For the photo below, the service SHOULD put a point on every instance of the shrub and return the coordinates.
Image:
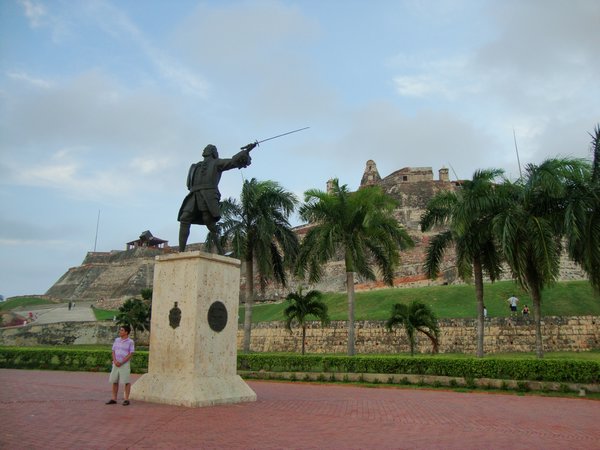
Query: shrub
(562, 371)
(557, 370)
(470, 382)
(65, 359)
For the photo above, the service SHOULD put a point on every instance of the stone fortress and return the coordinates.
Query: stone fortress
(108, 278)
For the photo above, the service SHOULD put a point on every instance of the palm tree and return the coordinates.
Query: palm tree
(358, 227)
(301, 306)
(468, 214)
(416, 316)
(135, 313)
(582, 217)
(258, 231)
(531, 226)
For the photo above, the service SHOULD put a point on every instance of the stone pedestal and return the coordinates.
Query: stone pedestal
(193, 350)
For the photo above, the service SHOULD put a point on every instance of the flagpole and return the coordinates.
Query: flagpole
(97, 226)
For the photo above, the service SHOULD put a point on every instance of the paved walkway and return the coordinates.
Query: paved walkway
(60, 313)
(66, 410)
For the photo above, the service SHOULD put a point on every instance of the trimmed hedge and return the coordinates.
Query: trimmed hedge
(556, 370)
(65, 359)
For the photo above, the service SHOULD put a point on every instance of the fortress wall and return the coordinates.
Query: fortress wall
(457, 336)
(63, 333)
(117, 275)
(114, 275)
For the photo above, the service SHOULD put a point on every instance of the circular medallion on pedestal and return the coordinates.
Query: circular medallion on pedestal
(217, 316)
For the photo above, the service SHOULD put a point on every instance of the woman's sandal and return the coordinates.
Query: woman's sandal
(111, 402)
(125, 402)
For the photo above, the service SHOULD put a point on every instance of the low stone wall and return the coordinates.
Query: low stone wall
(64, 333)
(457, 336)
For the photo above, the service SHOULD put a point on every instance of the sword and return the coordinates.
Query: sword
(255, 144)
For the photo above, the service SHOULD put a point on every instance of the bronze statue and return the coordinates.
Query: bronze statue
(201, 206)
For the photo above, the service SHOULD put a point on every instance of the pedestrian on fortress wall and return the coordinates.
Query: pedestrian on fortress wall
(525, 311)
(122, 351)
(513, 301)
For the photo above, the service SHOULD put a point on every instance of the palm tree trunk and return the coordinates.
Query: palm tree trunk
(410, 332)
(303, 337)
(536, 296)
(432, 338)
(350, 289)
(249, 299)
(478, 278)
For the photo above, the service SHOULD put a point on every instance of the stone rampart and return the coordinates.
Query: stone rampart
(502, 335)
(64, 333)
(457, 336)
(114, 275)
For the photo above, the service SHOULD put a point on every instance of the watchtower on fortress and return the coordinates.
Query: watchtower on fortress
(371, 175)
(147, 240)
(412, 187)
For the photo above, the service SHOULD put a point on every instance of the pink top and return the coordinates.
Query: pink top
(122, 348)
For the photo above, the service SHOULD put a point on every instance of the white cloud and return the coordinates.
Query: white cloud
(39, 17)
(37, 82)
(116, 23)
(418, 86)
(245, 35)
(35, 12)
(149, 165)
(32, 242)
(91, 111)
(447, 78)
(66, 172)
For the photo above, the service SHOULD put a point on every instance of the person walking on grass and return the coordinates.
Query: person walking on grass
(122, 351)
(513, 301)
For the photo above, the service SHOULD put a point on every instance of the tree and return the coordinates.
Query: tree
(146, 294)
(258, 231)
(415, 316)
(468, 214)
(135, 313)
(358, 227)
(582, 217)
(301, 306)
(531, 225)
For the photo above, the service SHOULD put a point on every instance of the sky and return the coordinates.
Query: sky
(104, 104)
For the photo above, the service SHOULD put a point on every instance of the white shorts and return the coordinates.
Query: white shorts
(120, 374)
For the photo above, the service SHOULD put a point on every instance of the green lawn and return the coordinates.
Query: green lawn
(105, 314)
(570, 298)
(22, 302)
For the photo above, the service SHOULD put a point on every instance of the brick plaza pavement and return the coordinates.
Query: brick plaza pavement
(66, 410)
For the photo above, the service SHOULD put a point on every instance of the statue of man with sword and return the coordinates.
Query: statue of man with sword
(201, 206)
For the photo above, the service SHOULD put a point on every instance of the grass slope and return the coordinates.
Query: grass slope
(22, 302)
(570, 298)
